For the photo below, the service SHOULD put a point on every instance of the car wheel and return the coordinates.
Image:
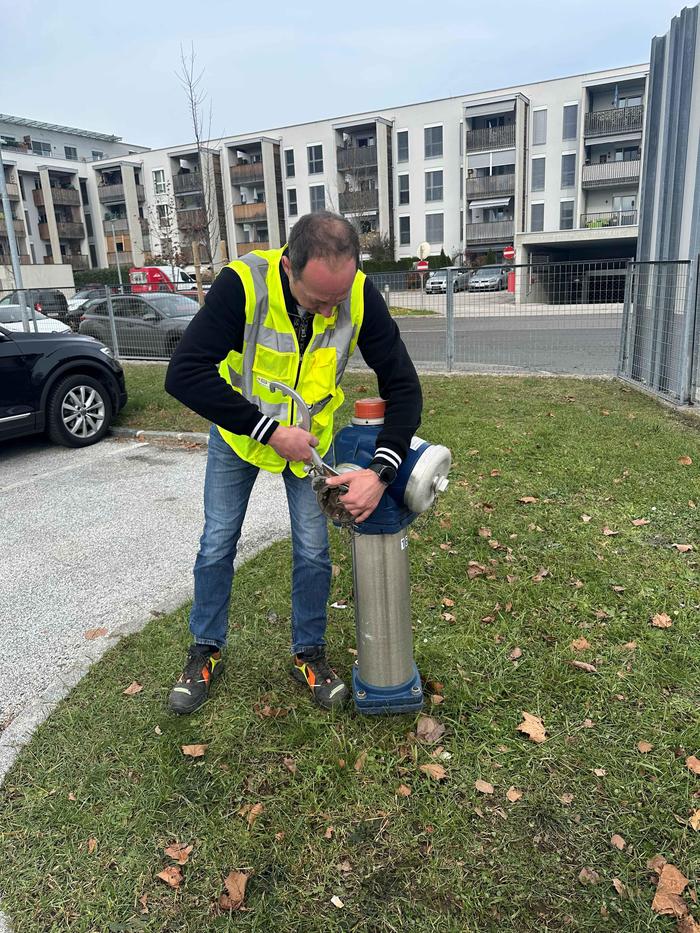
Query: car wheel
(79, 411)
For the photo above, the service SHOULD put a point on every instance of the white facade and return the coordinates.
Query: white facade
(552, 167)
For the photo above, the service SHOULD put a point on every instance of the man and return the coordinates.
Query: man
(293, 315)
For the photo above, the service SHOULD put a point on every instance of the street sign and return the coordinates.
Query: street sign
(422, 266)
(509, 252)
(423, 250)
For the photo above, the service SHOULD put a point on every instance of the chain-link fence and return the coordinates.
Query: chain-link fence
(658, 346)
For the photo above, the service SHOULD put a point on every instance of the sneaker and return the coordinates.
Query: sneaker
(192, 689)
(327, 689)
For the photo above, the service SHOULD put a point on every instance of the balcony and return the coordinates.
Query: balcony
(494, 137)
(77, 261)
(616, 121)
(65, 196)
(12, 190)
(192, 219)
(246, 212)
(608, 219)
(187, 183)
(107, 193)
(67, 230)
(611, 174)
(351, 158)
(122, 258)
(490, 232)
(488, 185)
(17, 225)
(120, 224)
(358, 202)
(247, 174)
(243, 248)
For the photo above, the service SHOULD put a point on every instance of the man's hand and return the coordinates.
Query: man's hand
(365, 489)
(293, 443)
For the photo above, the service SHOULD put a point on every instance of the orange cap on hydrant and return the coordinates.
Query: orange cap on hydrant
(370, 408)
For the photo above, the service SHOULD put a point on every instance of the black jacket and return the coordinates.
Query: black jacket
(218, 327)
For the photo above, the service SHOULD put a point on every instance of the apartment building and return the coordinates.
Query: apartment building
(551, 167)
(56, 212)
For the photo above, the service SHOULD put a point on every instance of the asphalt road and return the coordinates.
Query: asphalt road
(99, 538)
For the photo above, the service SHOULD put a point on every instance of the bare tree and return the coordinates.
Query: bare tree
(204, 223)
(163, 228)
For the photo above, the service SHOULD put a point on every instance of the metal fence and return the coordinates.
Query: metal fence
(638, 320)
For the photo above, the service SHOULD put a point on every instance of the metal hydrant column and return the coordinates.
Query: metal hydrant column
(383, 608)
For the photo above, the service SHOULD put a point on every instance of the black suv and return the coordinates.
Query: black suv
(65, 384)
(50, 301)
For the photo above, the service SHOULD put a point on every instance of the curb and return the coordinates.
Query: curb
(165, 437)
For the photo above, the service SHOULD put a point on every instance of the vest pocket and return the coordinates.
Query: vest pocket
(319, 379)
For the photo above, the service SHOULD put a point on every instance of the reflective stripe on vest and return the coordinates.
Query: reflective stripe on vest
(271, 352)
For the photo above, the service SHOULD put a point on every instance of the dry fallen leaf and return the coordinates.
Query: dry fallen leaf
(694, 820)
(336, 901)
(91, 845)
(93, 633)
(668, 900)
(194, 751)
(619, 887)
(172, 876)
(527, 500)
(329, 832)
(599, 772)
(254, 813)
(644, 747)
(447, 602)
(661, 620)
(533, 727)
(290, 765)
(586, 518)
(618, 589)
(567, 799)
(179, 852)
(609, 533)
(693, 764)
(687, 925)
(580, 644)
(360, 761)
(685, 461)
(513, 795)
(684, 548)
(449, 617)
(403, 790)
(637, 522)
(515, 654)
(540, 575)
(483, 787)
(132, 689)
(588, 876)
(436, 699)
(436, 772)
(429, 730)
(484, 533)
(617, 841)
(584, 666)
(234, 883)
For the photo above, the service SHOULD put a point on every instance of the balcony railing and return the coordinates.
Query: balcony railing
(66, 196)
(12, 191)
(491, 231)
(612, 122)
(494, 137)
(17, 225)
(255, 211)
(122, 258)
(187, 182)
(489, 185)
(358, 202)
(243, 248)
(247, 173)
(195, 219)
(77, 261)
(353, 157)
(608, 219)
(116, 193)
(120, 224)
(611, 174)
(68, 230)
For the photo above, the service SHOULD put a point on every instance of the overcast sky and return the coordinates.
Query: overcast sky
(112, 67)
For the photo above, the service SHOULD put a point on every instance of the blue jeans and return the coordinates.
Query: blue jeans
(227, 486)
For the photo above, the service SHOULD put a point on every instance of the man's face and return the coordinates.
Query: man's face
(323, 284)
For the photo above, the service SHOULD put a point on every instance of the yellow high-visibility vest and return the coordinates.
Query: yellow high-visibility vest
(271, 352)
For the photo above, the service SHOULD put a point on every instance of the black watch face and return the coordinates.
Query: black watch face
(387, 474)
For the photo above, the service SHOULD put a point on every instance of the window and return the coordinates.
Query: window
(625, 207)
(96, 154)
(404, 231)
(402, 146)
(315, 154)
(433, 142)
(39, 148)
(163, 215)
(289, 163)
(159, 181)
(566, 215)
(317, 197)
(570, 122)
(434, 228)
(71, 153)
(433, 186)
(538, 174)
(8, 141)
(88, 224)
(631, 101)
(292, 201)
(539, 127)
(628, 154)
(536, 217)
(404, 194)
(568, 170)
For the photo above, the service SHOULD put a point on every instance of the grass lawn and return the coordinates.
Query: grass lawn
(345, 809)
(397, 311)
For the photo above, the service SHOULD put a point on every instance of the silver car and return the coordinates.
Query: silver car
(489, 279)
(437, 283)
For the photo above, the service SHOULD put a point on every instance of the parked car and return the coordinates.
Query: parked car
(50, 301)
(146, 325)
(437, 282)
(79, 300)
(489, 278)
(11, 319)
(67, 385)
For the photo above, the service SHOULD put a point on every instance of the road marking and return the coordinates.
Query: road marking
(38, 477)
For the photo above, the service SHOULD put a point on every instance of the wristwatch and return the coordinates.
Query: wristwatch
(385, 472)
